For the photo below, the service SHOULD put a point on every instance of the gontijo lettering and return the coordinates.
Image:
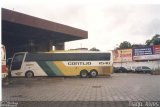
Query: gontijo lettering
(79, 63)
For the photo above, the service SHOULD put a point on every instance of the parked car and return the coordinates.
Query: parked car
(9, 62)
(143, 69)
(120, 69)
(8, 66)
(131, 69)
(114, 69)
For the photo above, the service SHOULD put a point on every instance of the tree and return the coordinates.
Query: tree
(138, 45)
(125, 45)
(148, 42)
(94, 49)
(154, 41)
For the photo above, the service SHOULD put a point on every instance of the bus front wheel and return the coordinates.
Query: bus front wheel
(84, 73)
(29, 74)
(93, 73)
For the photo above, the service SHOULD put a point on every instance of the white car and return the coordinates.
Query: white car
(131, 68)
(143, 69)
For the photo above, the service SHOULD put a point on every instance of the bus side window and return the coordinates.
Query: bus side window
(17, 62)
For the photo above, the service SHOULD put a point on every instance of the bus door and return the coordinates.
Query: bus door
(16, 65)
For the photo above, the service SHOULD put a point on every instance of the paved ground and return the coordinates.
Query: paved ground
(118, 87)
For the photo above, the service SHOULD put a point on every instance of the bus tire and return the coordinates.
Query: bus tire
(29, 74)
(84, 73)
(93, 73)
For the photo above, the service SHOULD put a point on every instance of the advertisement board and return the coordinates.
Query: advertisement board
(146, 53)
(143, 51)
(157, 49)
(146, 57)
(124, 55)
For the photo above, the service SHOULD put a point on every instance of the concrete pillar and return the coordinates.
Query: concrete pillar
(59, 46)
(50, 44)
(31, 46)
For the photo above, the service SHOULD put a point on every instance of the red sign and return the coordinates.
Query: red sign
(157, 49)
(123, 55)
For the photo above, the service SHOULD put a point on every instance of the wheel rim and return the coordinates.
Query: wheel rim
(93, 73)
(29, 74)
(84, 74)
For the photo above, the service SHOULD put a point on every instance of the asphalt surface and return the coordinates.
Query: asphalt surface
(119, 88)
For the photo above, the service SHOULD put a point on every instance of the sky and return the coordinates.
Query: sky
(108, 23)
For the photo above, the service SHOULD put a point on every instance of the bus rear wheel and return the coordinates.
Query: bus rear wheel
(93, 73)
(84, 73)
(29, 74)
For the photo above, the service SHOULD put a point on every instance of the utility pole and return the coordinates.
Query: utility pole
(121, 58)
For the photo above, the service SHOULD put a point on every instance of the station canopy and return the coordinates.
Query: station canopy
(19, 29)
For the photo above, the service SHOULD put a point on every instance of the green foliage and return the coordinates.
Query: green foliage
(154, 41)
(94, 49)
(125, 45)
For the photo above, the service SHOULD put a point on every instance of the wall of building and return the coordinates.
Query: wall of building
(151, 64)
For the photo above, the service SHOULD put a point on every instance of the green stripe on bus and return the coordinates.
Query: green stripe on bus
(46, 68)
(54, 68)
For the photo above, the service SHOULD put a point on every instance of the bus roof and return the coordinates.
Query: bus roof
(68, 51)
(76, 51)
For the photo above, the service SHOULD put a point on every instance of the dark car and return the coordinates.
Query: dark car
(8, 66)
(143, 69)
(120, 69)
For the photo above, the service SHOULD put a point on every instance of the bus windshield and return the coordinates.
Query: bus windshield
(17, 61)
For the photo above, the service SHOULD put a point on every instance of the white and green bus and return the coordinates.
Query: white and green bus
(67, 63)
